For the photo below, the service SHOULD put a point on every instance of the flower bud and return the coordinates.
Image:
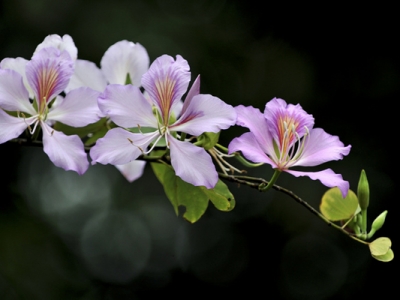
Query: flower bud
(363, 191)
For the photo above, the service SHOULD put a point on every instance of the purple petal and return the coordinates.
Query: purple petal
(125, 58)
(13, 94)
(192, 164)
(166, 81)
(251, 149)
(277, 111)
(126, 106)
(61, 43)
(120, 146)
(79, 108)
(205, 113)
(194, 90)
(64, 151)
(327, 178)
(12, 127)
(132, 170)
(48, 73)
(87, 74)
(252, 118)
(321, 147)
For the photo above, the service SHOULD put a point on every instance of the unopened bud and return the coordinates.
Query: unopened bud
(377, 224)
(363, 191)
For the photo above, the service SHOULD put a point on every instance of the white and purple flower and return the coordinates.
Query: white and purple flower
(31, 89)
(284, 137)
(165, 82)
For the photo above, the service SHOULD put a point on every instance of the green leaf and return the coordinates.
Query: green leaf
(380, 246)
(82, 131)
(335, 208)
(385, 257)
(194, 198)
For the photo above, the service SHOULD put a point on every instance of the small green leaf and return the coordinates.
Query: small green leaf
(385, 257)
(194, 198)
(380, 246)
(81, 131)
(335, 208)
(208, 139)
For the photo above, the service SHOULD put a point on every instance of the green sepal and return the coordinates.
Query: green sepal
(336, 208)
(194, 198)
(208, 140)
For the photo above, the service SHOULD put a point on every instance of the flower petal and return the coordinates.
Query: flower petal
(64, 151)
(11, 127)
(18, 65)
(251, 149)
(277, 111)
(327, 178)
(48, 73)
(321, 147)
(120, 146)
(166, 81)
(192, 164)
(126, 106)
(132, 170)
(125, 58)
(13, 94)
(194, 90)
(252, 118)
(87, 74)
(61, 43)
(79, 108)
(205, 113)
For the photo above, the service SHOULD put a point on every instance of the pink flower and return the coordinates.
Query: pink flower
(164, 116)
(33, 93)
(284, 137)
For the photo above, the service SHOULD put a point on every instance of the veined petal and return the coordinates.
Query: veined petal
(278, 111)
(194, 90)
(252, 118)
(126, 106)
(120, 146)
(11, 127)
(48, 73)
(205, 113)
(132, 170)
(327, 178)
(61, 43)
(18, 65)
(192, 164)
(87, 74)
(79, 108)
(166, 81)
(125, 58)
(321, 147)
(13, 94)
(64, 151)
(251, 149)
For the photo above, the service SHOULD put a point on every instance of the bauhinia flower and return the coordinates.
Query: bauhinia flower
(165, 82)
(284, 137)
(46, 76)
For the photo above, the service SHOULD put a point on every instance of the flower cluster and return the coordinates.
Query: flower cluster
(144, 109)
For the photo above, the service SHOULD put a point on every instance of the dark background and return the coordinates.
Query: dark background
(64, 236)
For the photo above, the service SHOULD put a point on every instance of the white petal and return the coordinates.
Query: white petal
(79, 108)
(13, 94)
(132, 170)
(61, 43)
(192, 164)
(12, 127)
(18, 65)
(64, 151)
(87, 74)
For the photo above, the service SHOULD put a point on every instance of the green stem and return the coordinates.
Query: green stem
(264, 188)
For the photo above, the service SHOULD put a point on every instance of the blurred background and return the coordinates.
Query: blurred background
(96, 236)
